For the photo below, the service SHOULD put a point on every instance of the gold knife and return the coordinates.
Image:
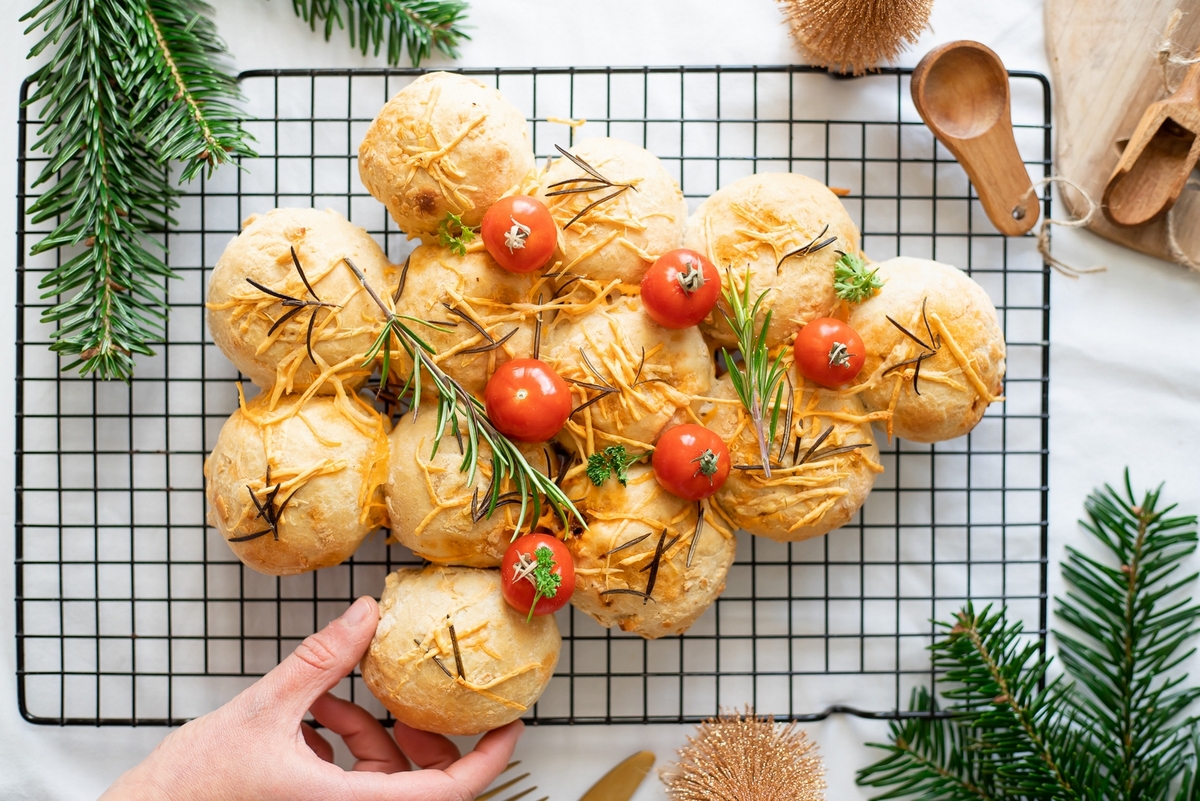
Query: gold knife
(620, 783)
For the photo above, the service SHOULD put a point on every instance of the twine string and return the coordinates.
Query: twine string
(1043, 236)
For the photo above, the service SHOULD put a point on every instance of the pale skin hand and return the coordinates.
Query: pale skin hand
(257, 747)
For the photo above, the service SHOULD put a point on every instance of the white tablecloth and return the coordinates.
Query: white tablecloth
(1124, 359)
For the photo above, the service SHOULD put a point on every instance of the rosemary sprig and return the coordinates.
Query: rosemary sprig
(268, 512)
(759, 380)
(297, 305)
(587, 183)
(457, 407)
(812, 247)
(931, 350)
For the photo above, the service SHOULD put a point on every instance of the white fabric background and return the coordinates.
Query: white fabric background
(1124, 359)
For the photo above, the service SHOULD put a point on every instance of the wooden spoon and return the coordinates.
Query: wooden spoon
(1158, 159)
(961, 91)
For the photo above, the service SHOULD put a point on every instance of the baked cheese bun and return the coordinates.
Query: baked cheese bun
(444, 144)
(298, 486)
(961, 349)
(492, 668)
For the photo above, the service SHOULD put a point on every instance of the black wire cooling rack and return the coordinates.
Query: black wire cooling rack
(130, 611)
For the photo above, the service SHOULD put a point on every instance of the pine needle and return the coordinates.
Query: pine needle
(1114, 728)
(416, 26)
(129, 86)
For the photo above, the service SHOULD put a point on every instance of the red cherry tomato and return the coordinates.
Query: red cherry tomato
(520, 575)
(519, 233)
(680, 289)
(527, 401)
(829, 352)
(690, 462)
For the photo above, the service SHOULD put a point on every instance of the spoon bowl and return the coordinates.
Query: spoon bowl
(960, 90)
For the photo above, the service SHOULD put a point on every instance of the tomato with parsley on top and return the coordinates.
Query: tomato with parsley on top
(537, 575)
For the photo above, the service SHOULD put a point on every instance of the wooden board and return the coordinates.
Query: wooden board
(1102, 60)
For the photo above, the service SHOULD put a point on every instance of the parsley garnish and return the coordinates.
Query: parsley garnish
(457, 242)
(613, 459)
(852, 280)
(541, 574)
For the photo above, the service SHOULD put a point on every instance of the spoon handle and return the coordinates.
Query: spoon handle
(994, 166)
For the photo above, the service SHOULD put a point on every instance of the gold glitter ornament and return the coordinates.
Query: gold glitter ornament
(742, 757)
(856, 35)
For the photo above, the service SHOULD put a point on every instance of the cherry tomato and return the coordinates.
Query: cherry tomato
(519, 233)
(829, 352)
(680, 289)
(690, 461)
(527, 401)
(519, 575)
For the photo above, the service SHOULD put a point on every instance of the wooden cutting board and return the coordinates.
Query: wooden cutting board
(1102, 59)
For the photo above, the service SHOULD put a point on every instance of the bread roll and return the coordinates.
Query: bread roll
(965, 372)
(411, 667)
(298, 487)
(617, 515)
(754, 223)
(241, 316)
(798, 501)
(614, 337)
(619, 238)
(476, 288)
(444, 144)
(429, 499)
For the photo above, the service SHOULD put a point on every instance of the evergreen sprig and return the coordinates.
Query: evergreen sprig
(416, 26)
(109, 128)
(1114, 727)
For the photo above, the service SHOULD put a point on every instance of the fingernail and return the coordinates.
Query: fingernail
(358, 612)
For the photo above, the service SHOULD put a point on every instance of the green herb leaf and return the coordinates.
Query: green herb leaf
(418, 26)
(613, 459)
(598, 469)
(852, 280)
(452, 233)
(545, 580)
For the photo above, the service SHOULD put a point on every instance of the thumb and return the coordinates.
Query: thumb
(321, 661)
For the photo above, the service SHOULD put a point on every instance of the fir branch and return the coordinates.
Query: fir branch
(104, 189)
(418, 26)
(931, 757)
(185, 107)
(1129, 620)
(129, 87)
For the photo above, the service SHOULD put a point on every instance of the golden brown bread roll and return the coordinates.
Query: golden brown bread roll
(755, 222)
(610, 586)
(965, 372)
(479, 293)
(614, 336)
(298, 486)
(618, 239)
(429, 500)
(241, 316)
(411, 664)
(444, 144)
(803, 498)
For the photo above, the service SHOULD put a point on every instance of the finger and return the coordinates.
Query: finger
(363, 734)
(319, 663)
(428, 751)
(478, 769)
(317, 743)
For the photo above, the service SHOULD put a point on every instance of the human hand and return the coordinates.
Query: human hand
(256, 746)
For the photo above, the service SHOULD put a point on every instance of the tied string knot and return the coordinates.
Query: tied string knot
(1043, 235)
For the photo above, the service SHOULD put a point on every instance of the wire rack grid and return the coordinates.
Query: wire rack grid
(131, 612)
